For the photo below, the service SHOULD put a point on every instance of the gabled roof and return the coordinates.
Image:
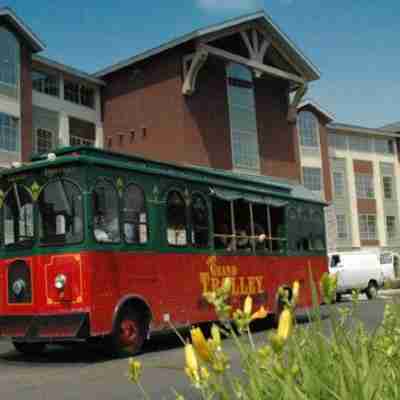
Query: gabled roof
(348, 128)
(67, 69)
(317, 107)
(9, 15)
(310, 71)
(394, 127)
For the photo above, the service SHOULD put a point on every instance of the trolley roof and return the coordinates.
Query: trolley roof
(258, 184)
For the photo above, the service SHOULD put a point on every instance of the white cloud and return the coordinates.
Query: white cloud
(223, 5)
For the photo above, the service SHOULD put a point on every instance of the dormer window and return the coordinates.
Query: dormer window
(9, 58)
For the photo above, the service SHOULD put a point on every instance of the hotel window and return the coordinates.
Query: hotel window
(364, 186)
(360, 143)
(384, 146)
(312, 179)
(9, 58)
(367, 227)
(391, 227)
(341, 227)
(44, 141)
(338, 184)
(387, 187)
(45, 83)
(308, 127)
(242, 113)
(9, 133)
(337, 141)
(78, 93)
(79, 141)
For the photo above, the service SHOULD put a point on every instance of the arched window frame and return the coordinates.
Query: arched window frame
(139, 223)
(185, 240)
(107, 181)
(209, 223)
(308, 130)
(3, 231)
(82, 204)
(239, 71)
(10, 50)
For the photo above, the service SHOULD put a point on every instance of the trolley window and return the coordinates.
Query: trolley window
(200, 222)
(176, 220)
(60, 213)
(18, 225)
(105, 213)
(134, 215)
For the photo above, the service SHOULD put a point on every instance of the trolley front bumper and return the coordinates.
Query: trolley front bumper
(29, 328)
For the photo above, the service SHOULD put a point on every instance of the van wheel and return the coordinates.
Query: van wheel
(338, 297)
(372, 290)
(129, 333)
(30, 349)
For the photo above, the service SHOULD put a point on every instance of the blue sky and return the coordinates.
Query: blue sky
(355, 44)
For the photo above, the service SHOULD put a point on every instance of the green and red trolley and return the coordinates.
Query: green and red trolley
(96, 244)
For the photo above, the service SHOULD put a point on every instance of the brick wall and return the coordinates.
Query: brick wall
(279, 152)
(363, 167)
(206, 119)
(193, 129)
(142, 108)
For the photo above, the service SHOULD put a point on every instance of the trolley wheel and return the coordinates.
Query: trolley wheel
(29, 348)
(129, 333)
(372, 290)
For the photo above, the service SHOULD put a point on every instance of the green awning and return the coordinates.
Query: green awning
(226, 194)
(271, 201)
(231, 195)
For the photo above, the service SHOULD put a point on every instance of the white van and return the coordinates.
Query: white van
(357, 270)
(390, 265)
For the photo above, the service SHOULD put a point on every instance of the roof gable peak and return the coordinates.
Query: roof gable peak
(279, 39)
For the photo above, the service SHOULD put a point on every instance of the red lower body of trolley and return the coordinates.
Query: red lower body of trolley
(125, 295)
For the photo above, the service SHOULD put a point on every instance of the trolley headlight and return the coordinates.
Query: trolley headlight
(18, 287)
(60, 281)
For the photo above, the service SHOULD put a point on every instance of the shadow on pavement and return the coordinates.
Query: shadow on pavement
(86, 354)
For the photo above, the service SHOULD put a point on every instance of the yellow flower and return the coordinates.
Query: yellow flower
(295, 292)
(192, 365)
(260, 314)
(248, 305)
(200, 344)
(227, 285)
(135, 370)
(285, 325)
(216, 335)
(277, 343)
(204, 374)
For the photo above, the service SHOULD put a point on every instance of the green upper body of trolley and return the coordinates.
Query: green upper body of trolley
(51, 205)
